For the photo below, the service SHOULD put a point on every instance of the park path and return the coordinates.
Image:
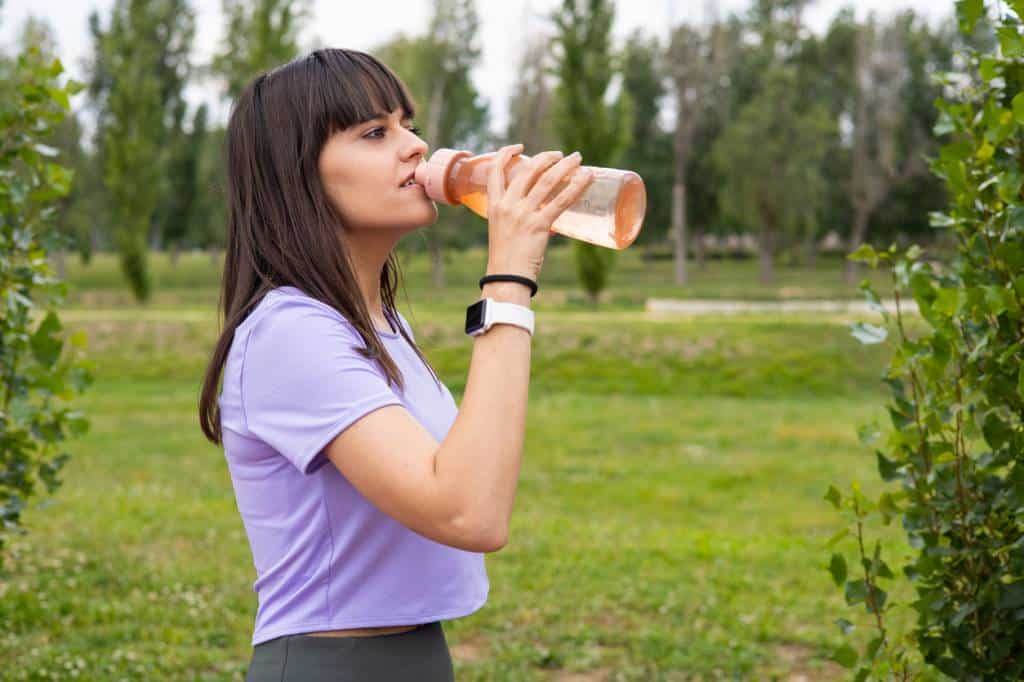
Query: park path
(727, 307)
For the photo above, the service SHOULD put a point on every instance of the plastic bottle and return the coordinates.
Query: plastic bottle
(609, 212)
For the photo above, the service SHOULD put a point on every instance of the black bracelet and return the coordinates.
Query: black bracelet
(510, 278)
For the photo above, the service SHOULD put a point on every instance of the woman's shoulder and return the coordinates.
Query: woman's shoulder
(290, 310)
(292, 304)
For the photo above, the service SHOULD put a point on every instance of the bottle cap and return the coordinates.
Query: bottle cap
(431, 174)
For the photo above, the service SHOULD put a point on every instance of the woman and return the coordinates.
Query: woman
(367, 496)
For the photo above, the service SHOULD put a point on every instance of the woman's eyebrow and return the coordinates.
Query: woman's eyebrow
(380, 115)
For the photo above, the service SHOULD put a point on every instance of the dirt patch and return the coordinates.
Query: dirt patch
(798, 659)
(471, 650)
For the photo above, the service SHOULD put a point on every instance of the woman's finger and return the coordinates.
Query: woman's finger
(568, 196)
(560, 172)
(523, 182)
(496, 178)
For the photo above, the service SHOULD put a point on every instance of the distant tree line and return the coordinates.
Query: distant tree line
(747, 125)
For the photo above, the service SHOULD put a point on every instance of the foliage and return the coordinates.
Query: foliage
(138, 75)
(584, 123)
(650, 150)
(956, 447)
(37, 381)
(436, 66)
(770, 158)
(180, 207)
(259, 36)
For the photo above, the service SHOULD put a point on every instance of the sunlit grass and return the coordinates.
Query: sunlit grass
(669, 522)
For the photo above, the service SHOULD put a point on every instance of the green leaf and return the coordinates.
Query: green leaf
(873, 646)
(79, 339)
(845, 656)
(1012, 596)
(840, 534)
(833, 496)
(845, 626)
(1018, 107)
(997, 432)
(1011, 41)
(989, 70)
(936, 219)
(837, 567)
(868, 434)
(868, 334)
(969, 12)
(856, 592)
(887, 469)
(964, 611)
(865, 253)
(1018, 7)
(46, 347)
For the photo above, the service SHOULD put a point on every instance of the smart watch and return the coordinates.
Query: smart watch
(487, 312)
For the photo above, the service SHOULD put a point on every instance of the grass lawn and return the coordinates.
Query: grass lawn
(669, 523)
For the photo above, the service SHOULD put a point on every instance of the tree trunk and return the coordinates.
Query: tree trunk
(679, 224)
(175, 252)
(213, 254)
(765, 249)
(58, 260)
(698, 247)
(811, 250)
(860, 230)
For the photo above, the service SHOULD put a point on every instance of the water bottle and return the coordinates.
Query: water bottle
(609, 213)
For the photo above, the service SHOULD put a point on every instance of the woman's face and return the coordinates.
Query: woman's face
(362, 170)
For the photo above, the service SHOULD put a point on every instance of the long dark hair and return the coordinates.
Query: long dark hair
(282, 227)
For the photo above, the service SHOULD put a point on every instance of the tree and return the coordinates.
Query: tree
(37, 378)
(180, 205)
(38, 44)
(729, 85)
(955, 446)
(260, 34)
(880, 115)
(210, 212)
(691, 72)
(650, 154)
(436, 67)
(583, 121)
(530, 100)
(140, 66)
(770, 158)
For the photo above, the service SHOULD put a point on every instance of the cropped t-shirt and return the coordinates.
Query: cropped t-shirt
(325, 557)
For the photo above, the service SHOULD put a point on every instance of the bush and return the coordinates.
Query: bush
(956, 446)
(36, 380)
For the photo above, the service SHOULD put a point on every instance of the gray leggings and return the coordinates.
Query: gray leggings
(419, 655)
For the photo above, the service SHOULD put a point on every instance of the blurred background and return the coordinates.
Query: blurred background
(670, 522)
(825, 108)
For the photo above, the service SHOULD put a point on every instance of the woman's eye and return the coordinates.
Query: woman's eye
(413, 129)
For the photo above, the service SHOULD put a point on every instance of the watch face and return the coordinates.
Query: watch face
(475, 317)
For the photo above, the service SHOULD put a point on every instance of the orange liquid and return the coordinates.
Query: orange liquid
(609, 213)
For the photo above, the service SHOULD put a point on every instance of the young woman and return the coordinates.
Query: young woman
(368, 497)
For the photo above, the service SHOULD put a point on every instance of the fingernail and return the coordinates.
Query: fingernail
(574, 155)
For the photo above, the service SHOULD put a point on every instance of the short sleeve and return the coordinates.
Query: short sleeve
(303, 381)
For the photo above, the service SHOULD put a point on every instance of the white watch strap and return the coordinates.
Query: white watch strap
(503, 312)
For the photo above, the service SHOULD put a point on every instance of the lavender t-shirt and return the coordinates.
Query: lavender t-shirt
(326, 558)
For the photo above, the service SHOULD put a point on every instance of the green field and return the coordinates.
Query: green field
(669, 523)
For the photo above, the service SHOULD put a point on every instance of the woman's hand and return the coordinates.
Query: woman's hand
(518, 227)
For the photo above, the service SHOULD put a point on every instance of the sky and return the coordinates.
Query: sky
(362, 25)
